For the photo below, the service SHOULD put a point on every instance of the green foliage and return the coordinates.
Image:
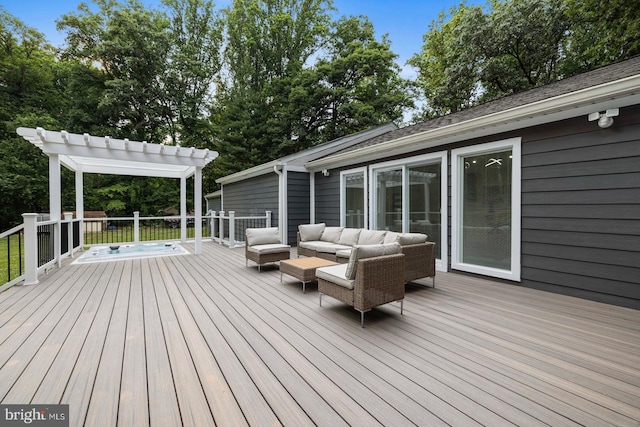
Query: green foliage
(474, 55)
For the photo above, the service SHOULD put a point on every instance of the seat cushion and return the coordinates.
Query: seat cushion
(269, 248)
(326, 247)
(262, 236)
(368, 251)
(371, 237)
(310, 232)
(344, 253)
(335, 274)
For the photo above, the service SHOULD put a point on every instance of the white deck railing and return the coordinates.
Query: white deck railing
(42, 245)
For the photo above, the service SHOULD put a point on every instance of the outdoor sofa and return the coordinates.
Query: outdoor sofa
(336, 243)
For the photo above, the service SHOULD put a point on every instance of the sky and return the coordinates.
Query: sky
(405, 21)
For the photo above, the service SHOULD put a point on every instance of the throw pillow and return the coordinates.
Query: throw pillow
(311, 232)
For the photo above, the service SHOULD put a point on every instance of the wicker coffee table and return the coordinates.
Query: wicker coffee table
(303, 269)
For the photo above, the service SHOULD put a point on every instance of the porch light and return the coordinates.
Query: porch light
(605, 119)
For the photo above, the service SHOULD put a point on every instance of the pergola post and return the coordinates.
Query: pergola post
(197, 202)
(80, 203)
(183, 209)
(55, 201)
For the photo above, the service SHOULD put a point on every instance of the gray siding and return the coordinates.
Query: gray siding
(253, 197)
(328, 198)
(298, 203)
(581, 211)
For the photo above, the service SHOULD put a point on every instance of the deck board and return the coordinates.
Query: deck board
(203, 340)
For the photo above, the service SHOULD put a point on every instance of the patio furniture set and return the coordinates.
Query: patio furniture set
(359, 267)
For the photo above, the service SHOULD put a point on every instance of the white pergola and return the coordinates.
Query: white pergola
(90, 154)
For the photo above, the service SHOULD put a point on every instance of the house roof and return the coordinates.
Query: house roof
(118, 156)
(298, 160)
(613, 86)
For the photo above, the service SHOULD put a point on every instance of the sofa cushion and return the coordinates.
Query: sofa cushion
(344, 253)
(411, 238)
(262, 236)
(274, 248)
(391, 237)
(371, 237)
(368, 251)
(326, 247)
(349, 236)
(335, 274)
(331, 234)
(309, 232)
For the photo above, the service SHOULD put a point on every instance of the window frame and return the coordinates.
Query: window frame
(457, 193)
(343, 194)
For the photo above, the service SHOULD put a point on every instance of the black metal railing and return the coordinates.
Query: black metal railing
(12, 254)
(46, 247)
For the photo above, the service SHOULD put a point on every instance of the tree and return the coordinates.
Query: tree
(131, 46)
(268, 44)
(195, 63)
(601, 33)
(354, 87)
(477, 56)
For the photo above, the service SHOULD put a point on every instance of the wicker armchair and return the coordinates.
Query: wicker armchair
(366, 281)
(263, 245)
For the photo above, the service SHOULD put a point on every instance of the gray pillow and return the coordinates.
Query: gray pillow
(311, 232)
(368, 251)
(331, 234)
(262, 236)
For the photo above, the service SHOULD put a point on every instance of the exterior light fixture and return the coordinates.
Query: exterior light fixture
(605, 119)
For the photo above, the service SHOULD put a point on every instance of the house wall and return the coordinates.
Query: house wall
(581, 210)
(298, 203)
(327, 198)
(580, 207)
(253, 196)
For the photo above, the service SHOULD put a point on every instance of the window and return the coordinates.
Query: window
(486, 209)
(411, 196)
(353, 206)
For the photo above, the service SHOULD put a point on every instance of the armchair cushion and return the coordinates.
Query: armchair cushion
(336, 274)
(262, 236)
(331, 234)
(273, 248)
(368, 251)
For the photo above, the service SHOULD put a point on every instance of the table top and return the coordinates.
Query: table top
(308, 262)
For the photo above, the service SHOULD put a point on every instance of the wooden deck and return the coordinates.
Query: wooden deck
(203, 340)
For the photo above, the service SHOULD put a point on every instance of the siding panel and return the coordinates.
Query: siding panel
(253, 197)
(298, 202)
(581, 212)
(328, 198)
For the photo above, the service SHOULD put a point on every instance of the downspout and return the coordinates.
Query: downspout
(281, 184)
